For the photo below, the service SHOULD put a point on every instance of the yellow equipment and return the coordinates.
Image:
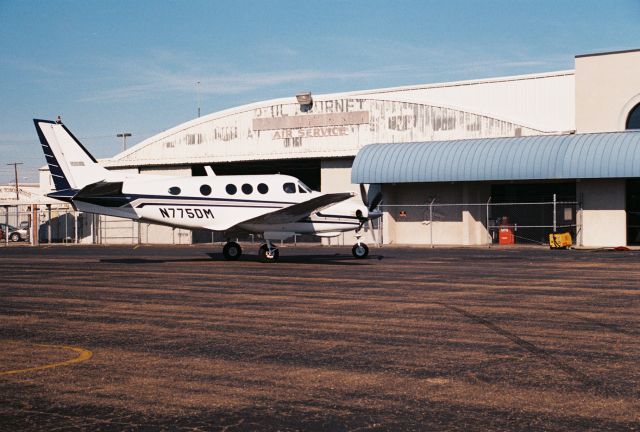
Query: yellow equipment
(560, 240)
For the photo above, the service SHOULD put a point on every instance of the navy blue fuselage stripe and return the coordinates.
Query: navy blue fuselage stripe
(204, 205)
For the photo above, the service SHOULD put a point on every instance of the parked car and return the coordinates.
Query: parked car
(15, 234)
(1, 234)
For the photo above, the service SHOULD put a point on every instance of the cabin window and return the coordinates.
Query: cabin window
(289, 187)
(174, 190)
(247, 188)
(263, 188)
(231, 189)
(205, 190)
(301, 190)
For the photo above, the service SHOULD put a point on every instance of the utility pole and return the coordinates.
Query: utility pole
(124, 137)
(15, 170)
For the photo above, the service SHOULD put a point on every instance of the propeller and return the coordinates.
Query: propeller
(375, 192)
(371, 200)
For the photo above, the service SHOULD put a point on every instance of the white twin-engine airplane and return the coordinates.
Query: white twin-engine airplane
(277, 206)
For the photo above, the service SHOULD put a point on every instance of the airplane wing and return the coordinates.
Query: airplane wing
(298, 211)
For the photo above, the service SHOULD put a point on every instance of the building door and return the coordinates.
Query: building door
(633, 211)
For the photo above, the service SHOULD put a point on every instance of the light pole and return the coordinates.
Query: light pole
(198, 92)
(124, 137)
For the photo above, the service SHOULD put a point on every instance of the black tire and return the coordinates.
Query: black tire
(266, 257)
(360, 251)
(232, 251)
(15, 237)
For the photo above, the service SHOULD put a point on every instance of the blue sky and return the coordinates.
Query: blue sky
(110, 66)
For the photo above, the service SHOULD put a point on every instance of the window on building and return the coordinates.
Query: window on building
(174, 190)
(263, 188)
(247, 188)
(633, 121)
(205, 190)
(289, 187)
(231, 189)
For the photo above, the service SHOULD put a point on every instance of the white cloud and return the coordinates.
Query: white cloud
(167, 72)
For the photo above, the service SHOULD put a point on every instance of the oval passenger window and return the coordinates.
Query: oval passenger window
(263, 188)
(231, 189)
(174, 190)
(205, 190)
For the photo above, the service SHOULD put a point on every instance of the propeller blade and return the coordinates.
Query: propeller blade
(375, 201)
(363, 195)
(375, 196)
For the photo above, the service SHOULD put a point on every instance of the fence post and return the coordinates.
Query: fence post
(49, 223)
(6, 225)
(489, 239)
(554, 212)
(35, 225)
(431, 222)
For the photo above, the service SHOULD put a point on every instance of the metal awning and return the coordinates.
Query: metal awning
(576, 156)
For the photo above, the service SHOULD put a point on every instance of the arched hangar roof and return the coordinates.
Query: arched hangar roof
(576, 156)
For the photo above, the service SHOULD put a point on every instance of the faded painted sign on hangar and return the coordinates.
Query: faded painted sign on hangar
(331, 128)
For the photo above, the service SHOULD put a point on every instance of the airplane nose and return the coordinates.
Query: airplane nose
(362, 213)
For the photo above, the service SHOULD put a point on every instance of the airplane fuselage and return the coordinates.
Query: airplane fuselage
(217, 203)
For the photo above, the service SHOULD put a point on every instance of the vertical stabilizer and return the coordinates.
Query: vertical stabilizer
(72, 167)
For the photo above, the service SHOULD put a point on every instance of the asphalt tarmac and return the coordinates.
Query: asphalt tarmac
(175, 338)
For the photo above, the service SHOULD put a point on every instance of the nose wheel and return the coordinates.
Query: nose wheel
(268, 253)
(360, 250)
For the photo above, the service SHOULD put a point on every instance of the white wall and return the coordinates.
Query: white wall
(603, 216)
(607, 88)
(407, 215)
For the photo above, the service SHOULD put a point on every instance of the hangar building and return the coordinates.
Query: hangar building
(443, 148)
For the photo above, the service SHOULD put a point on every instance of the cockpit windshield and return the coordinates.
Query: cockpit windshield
(303, 188)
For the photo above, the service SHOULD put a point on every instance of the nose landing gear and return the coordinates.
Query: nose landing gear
(359, 250)
(268, 253)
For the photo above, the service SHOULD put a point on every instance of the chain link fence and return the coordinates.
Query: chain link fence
(482, 223)
(434, 224)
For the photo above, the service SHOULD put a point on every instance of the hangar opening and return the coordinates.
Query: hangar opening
(307, 170)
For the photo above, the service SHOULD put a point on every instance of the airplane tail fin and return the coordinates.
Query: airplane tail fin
(71, 165)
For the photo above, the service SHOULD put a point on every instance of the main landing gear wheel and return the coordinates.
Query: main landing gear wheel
(231, 251)
(268, 256)
(360, 250)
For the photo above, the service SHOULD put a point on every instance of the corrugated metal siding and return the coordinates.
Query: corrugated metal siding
(602, 155)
